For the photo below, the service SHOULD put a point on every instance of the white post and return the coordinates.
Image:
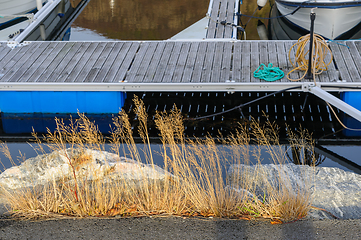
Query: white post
(39, 4)
(42, 31)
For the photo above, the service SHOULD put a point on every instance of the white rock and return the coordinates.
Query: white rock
(332, 189)
(97, 165)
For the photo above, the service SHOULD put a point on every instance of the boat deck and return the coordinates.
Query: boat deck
(204, 65)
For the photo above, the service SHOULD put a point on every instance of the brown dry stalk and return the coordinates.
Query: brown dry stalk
(5, 150)
(194, 182)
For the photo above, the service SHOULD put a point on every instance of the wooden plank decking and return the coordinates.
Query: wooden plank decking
(222, 10)
(133, 63)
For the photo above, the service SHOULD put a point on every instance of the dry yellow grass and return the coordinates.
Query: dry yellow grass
(195, 182)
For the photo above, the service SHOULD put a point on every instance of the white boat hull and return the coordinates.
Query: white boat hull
(13, 30)
(9, 9)
(39, 28)
(14, 7)
(330, 22)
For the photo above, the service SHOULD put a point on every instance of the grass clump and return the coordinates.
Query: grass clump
(193, 182)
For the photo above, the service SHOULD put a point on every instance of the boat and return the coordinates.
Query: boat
(36, 20)
(15, 7)
(333, 17)
(280, 28)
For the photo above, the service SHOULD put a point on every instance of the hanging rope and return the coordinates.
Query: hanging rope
(269, 73)
(320, 51)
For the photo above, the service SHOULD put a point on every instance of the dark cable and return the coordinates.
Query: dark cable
(304, 103)
(250, 18)
(244, 104)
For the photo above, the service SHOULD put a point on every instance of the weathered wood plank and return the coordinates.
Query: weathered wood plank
(109, 62)
(277, 49)
(73, 62)
(190, 64)
(93, 73)
(59, 63)
(272, 54)
(212, 26)
(181, 63)
(90, 62)
(341, 65)
(208, 62)
(263, 56)
(228, 31)
(151, 71)
(126, 47)
(332, 72)
(295, 75)
(137, 61)
(217, 63)
(145, 63)
(45, 69)
(171, 74)
(126, 63)
(237, 70)
(9, 63)
(351, 67)
(52, 46)
(357, 51)
(25, 63)
(354, 55)
(11, 57)
(4, 50)
(282, 58)
(59, 68)
(246, 62)
(198, 67)
(329, 75)
(220, 29)
(358, 46)
(73, 75)
(255, 61)
(158, 77)
(226, 62)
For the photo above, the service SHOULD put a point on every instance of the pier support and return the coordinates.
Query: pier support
(346, 108)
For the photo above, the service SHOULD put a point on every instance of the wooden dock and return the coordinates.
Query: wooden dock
(222, 10)
(204, 65)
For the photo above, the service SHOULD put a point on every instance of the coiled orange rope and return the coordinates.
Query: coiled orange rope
(320, 51)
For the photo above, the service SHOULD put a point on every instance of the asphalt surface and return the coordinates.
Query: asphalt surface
(177, 228)
(170, 227)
